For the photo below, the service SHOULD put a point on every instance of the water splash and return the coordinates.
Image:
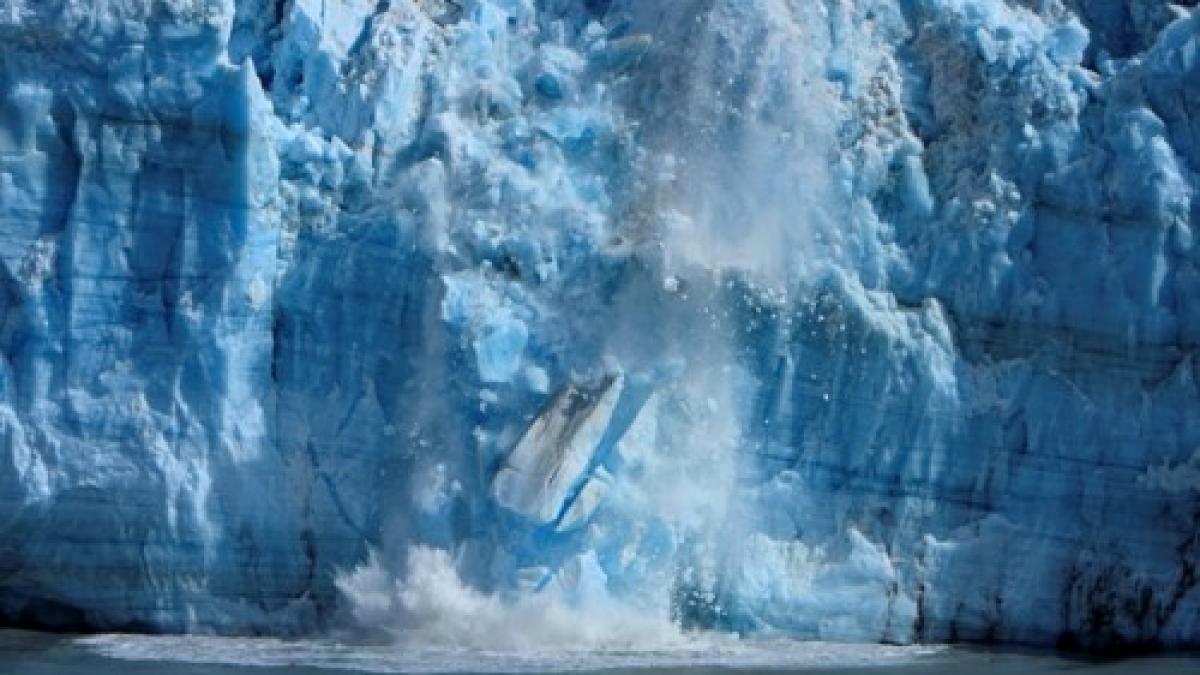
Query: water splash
(432, 606)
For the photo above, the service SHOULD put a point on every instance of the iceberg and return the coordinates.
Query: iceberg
(861, 320)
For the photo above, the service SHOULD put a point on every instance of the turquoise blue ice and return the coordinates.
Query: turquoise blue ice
(853, 320)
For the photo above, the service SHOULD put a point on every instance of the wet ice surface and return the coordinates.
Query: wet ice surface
(36, 654)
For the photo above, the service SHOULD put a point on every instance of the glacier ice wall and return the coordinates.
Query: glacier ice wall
(854, 320)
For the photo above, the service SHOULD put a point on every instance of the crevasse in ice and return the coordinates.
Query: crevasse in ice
(856, 320)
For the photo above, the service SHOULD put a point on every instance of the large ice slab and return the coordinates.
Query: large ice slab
(551, 459)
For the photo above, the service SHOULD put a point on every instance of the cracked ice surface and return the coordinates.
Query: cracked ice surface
(867, 320)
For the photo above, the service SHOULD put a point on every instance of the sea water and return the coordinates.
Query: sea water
(27, 653)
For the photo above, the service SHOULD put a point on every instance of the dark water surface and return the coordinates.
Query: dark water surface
(27, 653)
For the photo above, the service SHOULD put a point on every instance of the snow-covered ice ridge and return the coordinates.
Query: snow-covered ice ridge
(870, 320)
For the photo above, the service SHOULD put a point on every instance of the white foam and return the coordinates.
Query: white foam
(702, 651)
(431, 606)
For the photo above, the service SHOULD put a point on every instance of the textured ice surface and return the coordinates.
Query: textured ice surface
(855, 320)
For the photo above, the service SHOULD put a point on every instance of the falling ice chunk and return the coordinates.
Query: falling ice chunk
(538, 476)
(499, 348)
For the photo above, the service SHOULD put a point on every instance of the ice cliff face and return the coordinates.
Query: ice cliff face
(870, 320)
